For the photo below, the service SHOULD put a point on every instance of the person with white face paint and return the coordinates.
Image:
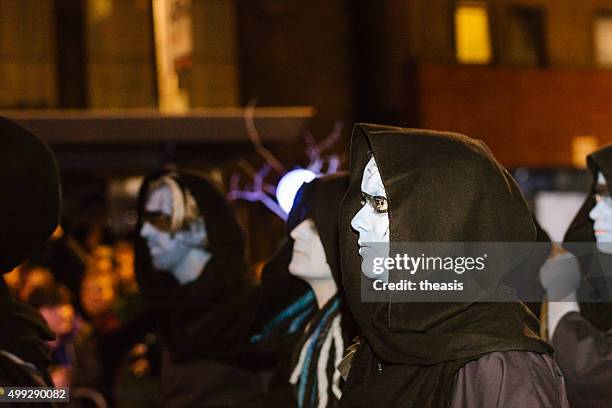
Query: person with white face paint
(372, 221)
(313, 227)
(581, 327)
(309, 263)
(189, 263)
(601, 214)
(420, 186)
(175, 232)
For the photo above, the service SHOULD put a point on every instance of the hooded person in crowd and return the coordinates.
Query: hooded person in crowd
(313, 223)
(580, 310)
(425, 186)
(29, 213)
(190, 266)
(313, 324)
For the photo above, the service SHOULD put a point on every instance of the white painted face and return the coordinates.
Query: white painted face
(308, 261)
(601, 214)
(167, 249)
(372, 220)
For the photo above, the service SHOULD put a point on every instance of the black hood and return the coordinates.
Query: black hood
(320, 200)
(29, 213)
(30, 210)
(581, 230)
(441, 187)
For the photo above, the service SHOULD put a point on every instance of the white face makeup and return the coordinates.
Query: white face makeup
(601, 214)
(372, 220)
(308, 261)
(169, 250)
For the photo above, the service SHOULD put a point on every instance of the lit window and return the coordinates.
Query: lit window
(472, 36)
(603, 39)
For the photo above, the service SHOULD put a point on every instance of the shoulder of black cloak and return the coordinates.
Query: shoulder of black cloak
(30, 210)
(24, 332)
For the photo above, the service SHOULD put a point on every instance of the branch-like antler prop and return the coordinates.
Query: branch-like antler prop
(259, 189)
(249, 123)
(314, 151)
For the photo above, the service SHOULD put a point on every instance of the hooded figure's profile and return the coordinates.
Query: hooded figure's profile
(29, 213)
(581, 330)
(409, 185)
(316, 324)
(190, 266)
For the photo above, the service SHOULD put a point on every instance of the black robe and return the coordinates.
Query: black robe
(29, 213)
(205, 323)
(584, 340)
(441, 187)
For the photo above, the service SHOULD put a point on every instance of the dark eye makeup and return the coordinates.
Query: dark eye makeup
(379, 203)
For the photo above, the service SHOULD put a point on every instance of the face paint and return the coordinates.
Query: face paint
(168, 250)
(308, 261)
(601, 214)
(372, 220)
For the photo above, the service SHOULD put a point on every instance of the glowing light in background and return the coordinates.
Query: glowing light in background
(581, 147)
(472, 36)
(602, 31)
(289, 185)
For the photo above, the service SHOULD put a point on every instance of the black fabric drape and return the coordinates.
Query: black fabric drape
(441, 187)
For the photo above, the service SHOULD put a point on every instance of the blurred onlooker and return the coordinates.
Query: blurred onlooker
(74, 358)
(98, 297)
(102, 258)
(124, 266)
(33, 277)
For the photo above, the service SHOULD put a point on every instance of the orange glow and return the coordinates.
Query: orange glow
(472, 36)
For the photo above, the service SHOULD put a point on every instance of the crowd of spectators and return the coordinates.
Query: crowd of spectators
(106, 345)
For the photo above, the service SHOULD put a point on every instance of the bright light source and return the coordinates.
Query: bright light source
(289, 185)
(603, 40)
(472, 37)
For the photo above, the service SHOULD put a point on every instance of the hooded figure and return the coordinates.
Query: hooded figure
(315, 375)
(316, 323)
(439, 187)
(583, 335)
(190, 266)
(29, 213)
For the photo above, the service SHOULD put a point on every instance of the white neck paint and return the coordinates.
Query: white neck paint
(191, 266)
(324, 289)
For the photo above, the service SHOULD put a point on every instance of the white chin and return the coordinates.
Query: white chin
(296, 269)
(604, 244)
